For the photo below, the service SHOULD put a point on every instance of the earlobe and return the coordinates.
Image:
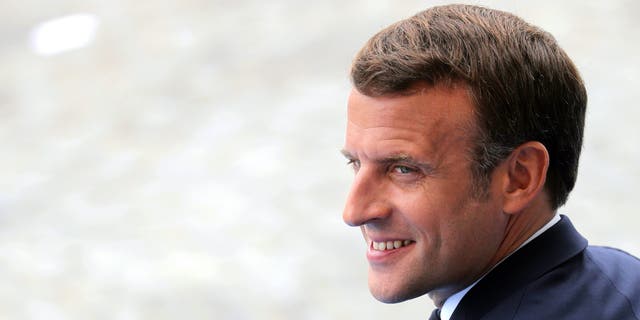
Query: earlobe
(525, 177)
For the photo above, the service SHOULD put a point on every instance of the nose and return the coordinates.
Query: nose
(366, 200)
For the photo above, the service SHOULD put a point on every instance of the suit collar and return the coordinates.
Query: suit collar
(553, 247)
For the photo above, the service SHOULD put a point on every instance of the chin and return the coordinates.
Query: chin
(395, 294)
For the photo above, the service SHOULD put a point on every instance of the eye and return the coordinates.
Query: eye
(403, 170)
(354, 164)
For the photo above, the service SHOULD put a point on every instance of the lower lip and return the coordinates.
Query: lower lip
(377, 256)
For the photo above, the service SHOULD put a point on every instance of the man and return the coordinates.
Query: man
(464, 132)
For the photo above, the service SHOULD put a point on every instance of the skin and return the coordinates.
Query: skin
(413, 181)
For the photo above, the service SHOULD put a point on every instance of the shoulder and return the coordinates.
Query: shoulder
(599, 283)
(619, 271)
(610, 258)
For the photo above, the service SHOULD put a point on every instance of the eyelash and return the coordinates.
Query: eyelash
(355, 164)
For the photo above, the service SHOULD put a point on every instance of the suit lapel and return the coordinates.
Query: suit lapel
(554, 246)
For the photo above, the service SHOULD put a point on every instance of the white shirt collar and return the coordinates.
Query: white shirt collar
(452, 302)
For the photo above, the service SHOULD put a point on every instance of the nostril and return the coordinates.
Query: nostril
(360, 215)
(366, 200)
(349, 217)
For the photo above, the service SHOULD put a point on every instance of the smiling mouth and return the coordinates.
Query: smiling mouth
(390, 245)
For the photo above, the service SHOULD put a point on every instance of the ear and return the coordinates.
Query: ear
(526, 174)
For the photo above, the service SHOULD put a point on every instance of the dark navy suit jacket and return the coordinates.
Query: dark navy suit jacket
(557, 276)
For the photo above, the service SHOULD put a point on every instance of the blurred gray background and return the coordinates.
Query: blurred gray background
(180, 159)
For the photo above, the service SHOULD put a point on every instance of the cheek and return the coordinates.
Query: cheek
(442, 213)
(477, 231)
(426, 218)
(456, 223)
(419, 211)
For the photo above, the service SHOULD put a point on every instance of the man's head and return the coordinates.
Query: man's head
(461, 118)
(524, 86)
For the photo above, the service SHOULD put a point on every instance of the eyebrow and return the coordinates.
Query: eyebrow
(395, 158)
(347, 154)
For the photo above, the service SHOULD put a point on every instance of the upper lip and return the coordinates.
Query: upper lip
(377, 238)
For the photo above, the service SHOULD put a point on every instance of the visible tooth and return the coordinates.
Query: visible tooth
(389, 245)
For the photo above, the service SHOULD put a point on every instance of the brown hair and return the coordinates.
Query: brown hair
(523, 84)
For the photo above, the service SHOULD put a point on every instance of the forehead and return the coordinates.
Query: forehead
(424, 102)
(427, 118)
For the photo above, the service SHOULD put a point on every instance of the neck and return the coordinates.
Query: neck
(520, 227)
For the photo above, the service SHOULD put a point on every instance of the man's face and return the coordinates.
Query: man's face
(412, 196)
